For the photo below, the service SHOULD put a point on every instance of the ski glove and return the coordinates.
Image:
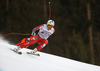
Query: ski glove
(33, 33)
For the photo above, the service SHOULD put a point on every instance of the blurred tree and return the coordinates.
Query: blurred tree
(90, 34)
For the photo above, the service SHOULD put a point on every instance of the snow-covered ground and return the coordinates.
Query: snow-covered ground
(11, 61)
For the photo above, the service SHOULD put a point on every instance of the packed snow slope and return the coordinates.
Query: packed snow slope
(11, 61)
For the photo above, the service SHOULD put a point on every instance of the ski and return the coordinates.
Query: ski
(17, 51)
(33, 54)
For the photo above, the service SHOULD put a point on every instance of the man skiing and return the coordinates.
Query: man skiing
(45, 31)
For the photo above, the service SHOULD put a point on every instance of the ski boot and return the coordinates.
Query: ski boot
(34, 51)
(18, 48)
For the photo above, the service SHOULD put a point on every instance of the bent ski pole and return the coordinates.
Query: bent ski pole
(14, 33)
(49, 11)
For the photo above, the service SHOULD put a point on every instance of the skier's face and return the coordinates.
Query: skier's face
(49, 27)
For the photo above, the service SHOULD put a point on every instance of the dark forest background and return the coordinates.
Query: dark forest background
(77, 25)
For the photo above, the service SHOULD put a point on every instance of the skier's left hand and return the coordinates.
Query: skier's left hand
(33, 33)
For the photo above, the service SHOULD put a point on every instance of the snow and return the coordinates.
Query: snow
(11, 61)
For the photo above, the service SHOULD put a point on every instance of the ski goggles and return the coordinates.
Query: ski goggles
(50, 24)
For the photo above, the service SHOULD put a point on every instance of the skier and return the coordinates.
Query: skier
(45, 31)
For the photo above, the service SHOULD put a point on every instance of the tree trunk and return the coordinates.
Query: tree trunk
(90, 34)
(45, 11)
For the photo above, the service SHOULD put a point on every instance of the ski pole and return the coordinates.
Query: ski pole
(49, 11)
(14, 33)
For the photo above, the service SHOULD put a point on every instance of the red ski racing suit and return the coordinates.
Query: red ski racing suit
(40, 38)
